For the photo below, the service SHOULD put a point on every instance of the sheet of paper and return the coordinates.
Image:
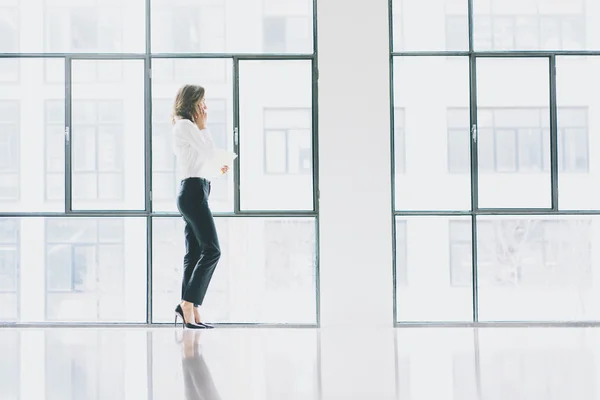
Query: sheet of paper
(212, 167)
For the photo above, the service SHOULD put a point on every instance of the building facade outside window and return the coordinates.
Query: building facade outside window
(287, 141)
(9, 150)
(515, 140)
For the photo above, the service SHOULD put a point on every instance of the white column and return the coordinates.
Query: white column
(354, 153)
(355, 186)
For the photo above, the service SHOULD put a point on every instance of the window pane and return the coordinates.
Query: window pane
(9, 43)
(427, 88)
(87, 27)
(400, 140)
(216, 77)
(578, 94)
(276, 95)
(9, 268)
(288, 139)
(412, 33)
(438, 268)
(506, 150)
(537, 268)
(266, 273)
(232, 26)
(459, 140)
(530, 151)
(10, 363)
(276, 152)
(9, 29)
(88, 280)
(107, 139)
(401, 254)
(512, 95)
(73, 269)
(533, 25)
(29, 144)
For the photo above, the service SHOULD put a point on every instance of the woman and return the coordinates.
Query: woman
(193, 147)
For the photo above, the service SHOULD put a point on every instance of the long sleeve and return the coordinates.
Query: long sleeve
(193, 148)
(199, 140)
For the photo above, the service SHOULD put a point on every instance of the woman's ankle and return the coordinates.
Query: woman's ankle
(187, 305)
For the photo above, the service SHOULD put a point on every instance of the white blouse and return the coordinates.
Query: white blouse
(192, 147)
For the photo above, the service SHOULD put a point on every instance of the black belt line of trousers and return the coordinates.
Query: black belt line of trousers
(202, 250)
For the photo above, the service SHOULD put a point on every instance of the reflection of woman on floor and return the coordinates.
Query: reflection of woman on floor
(196, 376)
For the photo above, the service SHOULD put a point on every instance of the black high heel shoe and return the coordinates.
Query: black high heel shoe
(206, 325)
(179, 313)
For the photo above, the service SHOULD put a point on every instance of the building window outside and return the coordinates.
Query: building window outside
(287, 141)
(82, 255)
(92, 29)
(9, 255)
(290, 247)
(54, 150)
(286, 34)
(195, 29)
(9, 43)
(517, 140)
(461, 268)
(511, 252)
(522, 32)
(97, 149)
(9, 150)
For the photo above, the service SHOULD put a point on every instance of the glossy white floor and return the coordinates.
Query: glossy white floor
(285, 364)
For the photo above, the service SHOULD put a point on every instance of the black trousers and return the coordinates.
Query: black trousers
(201, 241)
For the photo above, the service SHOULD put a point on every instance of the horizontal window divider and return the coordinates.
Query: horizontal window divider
(495, 324)
(139, 214)
(138, 56)
(112, 213)
(534, 53)
(78, 56)
(242, 56)
(74, 214)
(118, 325)
(431, 212)
(118, 213)
(440, 53)
(498, 54)
(272, 214)
(515, 211)
(504, 211)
